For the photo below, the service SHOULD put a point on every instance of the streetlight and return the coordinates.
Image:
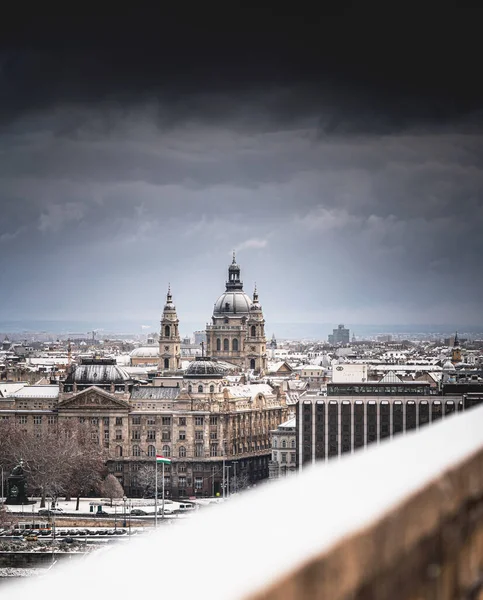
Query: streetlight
(124, 499)
(2, 485)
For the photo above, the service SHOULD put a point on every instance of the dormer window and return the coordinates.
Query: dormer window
(227, 306)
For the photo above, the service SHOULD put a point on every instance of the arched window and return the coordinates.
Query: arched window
(275, 443)
(200, 389)
(226, 345)
(136, 451)
(166, 451)
(284, 443)
(151, 451)
(166, 363)
(254, 331)
(212, 389)
(252, 363)
(118, 450)
(218, 344)
(190, 388)
(292, 443)
(167, 331)
(182, 452)
(234, 345)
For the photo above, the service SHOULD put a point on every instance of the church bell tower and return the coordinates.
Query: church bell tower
(256, 343)
(169, 340)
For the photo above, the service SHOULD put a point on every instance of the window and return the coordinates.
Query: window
(212, 389)
(284, 457)
(213, 420)
(182, 421)
(182, 452)
(136, 451)
(118, 435)
(234, 345)
(214, 450)
(106, 435)
(292, 444)
(213, 435)
(118, 467)
(37, 420)
(136, 420)
(151, 421)
(226, 345)
(166, 363)
(198, 483)
(198, 421)
(198, 435)
(292, 457)
(166, 436)
(81, 420)
(118, 450)
(253, 331)
(94, 420)
(199, 450)
(51, 419)
(166, 451)
(151, 435)
(182, 481)
(252, 363)
(275, 442)
(151, 451)
(136, 434)
(166, 421)
(118, 420)
(200, 389)
(275, 456)
(181, 468)
(190, 388)
(105, 421)
(218, 344)
(182, 435)
(284, 443)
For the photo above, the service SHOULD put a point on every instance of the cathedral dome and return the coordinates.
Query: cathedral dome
(231, 303)
(203, 367)
(145, 352)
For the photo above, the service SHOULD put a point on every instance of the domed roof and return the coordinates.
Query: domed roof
(145, 352)
(97, 374)
(203, 367)
(234, 302)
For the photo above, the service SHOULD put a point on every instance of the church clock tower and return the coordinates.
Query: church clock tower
(169, 340)
(256, 343)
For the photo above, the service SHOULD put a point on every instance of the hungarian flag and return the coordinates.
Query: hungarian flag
(162, 460)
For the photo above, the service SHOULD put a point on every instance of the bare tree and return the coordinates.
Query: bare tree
(145, 479)
(111, 488)
(239, 483)
(88, 465)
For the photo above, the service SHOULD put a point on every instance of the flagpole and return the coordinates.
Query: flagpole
(162, 495)
(155, 490)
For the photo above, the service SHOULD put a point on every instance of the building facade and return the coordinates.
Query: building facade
(236, 334)
(284, 456)
(351, 417)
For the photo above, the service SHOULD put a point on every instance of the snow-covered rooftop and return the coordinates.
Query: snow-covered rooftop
(38, 391)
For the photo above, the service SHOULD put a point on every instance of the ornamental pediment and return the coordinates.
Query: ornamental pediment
(93, 399)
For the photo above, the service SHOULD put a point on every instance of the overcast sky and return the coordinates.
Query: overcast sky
(343, 165)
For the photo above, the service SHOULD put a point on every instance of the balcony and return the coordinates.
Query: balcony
(402, 520)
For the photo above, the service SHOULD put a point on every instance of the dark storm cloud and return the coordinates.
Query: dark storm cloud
(351, 192)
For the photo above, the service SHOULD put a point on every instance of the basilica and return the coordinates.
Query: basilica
(235, 337)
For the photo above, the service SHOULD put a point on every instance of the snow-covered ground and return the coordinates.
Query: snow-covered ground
(256, 538)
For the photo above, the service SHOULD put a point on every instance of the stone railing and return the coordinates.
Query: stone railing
(401, 520)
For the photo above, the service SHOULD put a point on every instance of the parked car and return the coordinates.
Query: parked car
(50, 511)
(137, 512)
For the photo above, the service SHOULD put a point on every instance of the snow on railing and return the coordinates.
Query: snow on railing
(263, 538)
